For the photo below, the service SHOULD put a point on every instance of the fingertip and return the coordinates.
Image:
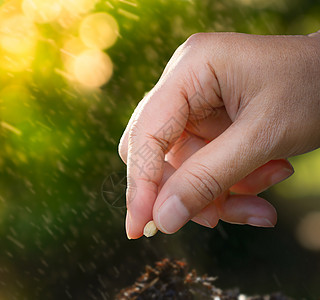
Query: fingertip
(128, 226)
(202, 221)
(260, 222)
(141, 196)
(281, 175)
(264, 177)
(284, 163)
(208, 217)
(247, 209)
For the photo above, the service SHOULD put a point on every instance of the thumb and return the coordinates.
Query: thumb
(207, 174)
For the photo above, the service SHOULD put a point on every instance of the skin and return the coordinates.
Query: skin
(238, 105)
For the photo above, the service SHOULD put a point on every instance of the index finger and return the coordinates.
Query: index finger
(159, 122)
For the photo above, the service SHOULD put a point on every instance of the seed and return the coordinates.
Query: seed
(150, 229)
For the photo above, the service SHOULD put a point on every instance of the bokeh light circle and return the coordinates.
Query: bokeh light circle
(41, 11)
(18, 35)
(99, 31)
(71, 49)
(93, 68)
(308, 231)
(76, 7)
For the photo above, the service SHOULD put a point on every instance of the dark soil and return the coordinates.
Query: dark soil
(172, 280)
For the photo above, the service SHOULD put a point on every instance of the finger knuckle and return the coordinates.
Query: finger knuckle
(204, 186)
(160, 142)
(156, 139)
(195, 39)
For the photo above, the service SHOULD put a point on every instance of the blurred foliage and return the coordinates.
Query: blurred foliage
(58, 145)
(305, 181)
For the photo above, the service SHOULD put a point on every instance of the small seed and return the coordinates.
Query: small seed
(150, 229)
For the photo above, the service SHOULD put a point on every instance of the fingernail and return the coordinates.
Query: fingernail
(280, 176)
(128, 224)
(172, 215)
(202, 221)
(260, 222)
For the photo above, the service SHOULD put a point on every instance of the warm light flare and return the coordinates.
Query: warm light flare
(92, 68)
(71, 49)
(308, 231)
(41, 11)
(77, 7)
(18, 35)
(17, 63)
(99, 31)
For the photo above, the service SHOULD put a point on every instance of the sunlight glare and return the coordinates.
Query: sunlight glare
(71, 49)
(18, 35)
(99, 31)
(41, 11)
(77, 7)
(93, 68)
(20, 63)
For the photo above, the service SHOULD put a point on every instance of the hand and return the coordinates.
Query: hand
(225, 113)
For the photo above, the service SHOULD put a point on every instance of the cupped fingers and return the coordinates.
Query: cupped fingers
(238, 209)
(208, 216)
(248, 209)
(264, 177)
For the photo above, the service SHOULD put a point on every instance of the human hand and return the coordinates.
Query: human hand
(225, 113)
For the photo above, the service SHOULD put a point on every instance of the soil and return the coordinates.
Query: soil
(172, 280)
